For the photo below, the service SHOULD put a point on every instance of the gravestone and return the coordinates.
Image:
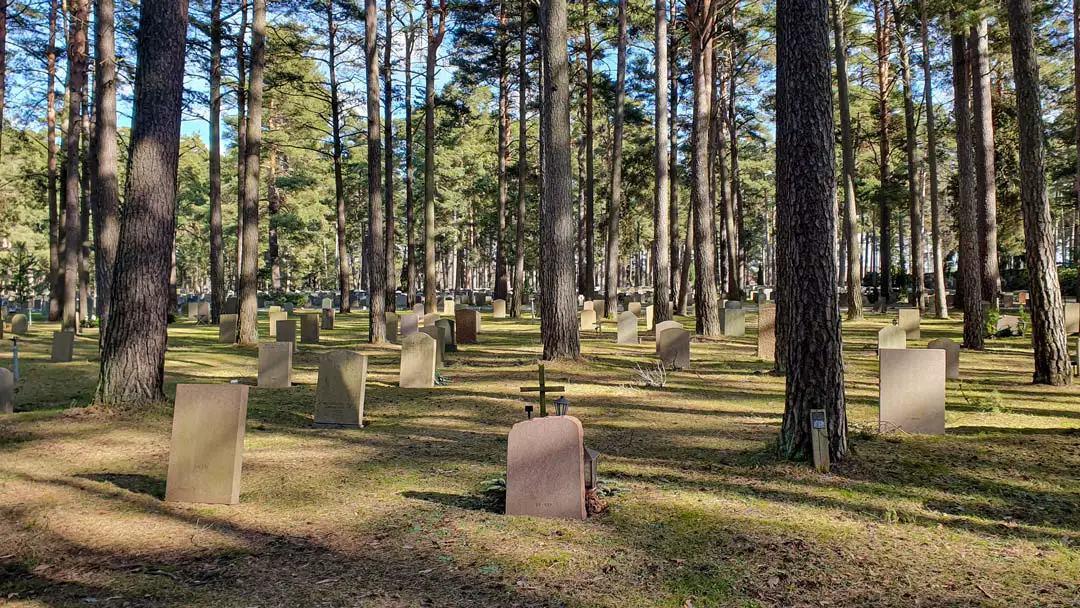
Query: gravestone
(468, 323)
(286, 332)
(329, 315)
(408, 324)
(545, 468)
(204, 313)
(418, 309)
(429, 320)
(733, 321)
(275, 364)
(273, 308)
(588, 320)
(193, 310)
(327, 303)
(908, 319)
(650, 313)
(1022, 298)
(339, 396)
(1008, 325)
(417, 369)
(498, 309)
(673, 346)
(63, 346)
(439, 335)
(232, 305)
(7, 391)
(391, 327)
(627, 328)
(227, 329)
(952, 356)
(891, 336)
(309, 328)
(587, 305)
(766, 332)
(450, 342)
(911, 393)
(207, 447)
(733, 304)
(448, 306)
(289, 307)
(20, 325)
(600, 308)
(275, 316)
(634, 307)
(660, 327)
(1072, 318)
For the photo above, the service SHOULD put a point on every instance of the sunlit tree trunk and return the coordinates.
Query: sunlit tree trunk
(79, 19)
(982, 122)
(700, 17)
(612, 258)
(388, 172)
(847, 146)
(410, 208)
(677, 294)
(217, 254)
(248, 330)
(884, 82)
(661, 193)
(241, 136)
(376, 263)
(941, 308)
(969, 274)
(344, 267)
(918, 285)
(435, 34)
(56, 279)
(590, 166)
(523, 165)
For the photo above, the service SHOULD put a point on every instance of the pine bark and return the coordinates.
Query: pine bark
(612, 258)
(847, 146)
(133, 355)
(343, 263)
(502, 278)
(388, 150)
(247, 327)
(941, 307)
(884, 82)
(985, 185)
(699, 20)
(435, 35)
(376, 222)
(915, 201)
(969, 275)
(241, 135)
(77, 65)
(590, 152)
(523, 166)
(217, 245)
(56, 279)
(661, 194)
(410, 207)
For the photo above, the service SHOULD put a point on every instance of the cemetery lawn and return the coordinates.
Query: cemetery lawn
(700, 511)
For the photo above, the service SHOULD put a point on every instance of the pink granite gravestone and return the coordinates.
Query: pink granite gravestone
(545, 470)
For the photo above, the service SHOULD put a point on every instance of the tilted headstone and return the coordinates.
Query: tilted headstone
(908, 319)
(275, 316)
(911, 392)
(408, 324)
(329, 315)
(952, 356)
(498, 309)
(207, 447)
(1008, 325)
(63, 346)
(673, 346)
(20, 325)
(286, 332)
(339, 396)
(660, 327)
(417, 368)
(468, 325)
(766, 332)
(309, 328)
(588, 320)
(227, 329)
(7, 391)
(891, 336)
(733, 322)
(627, 328)
(439, 335)
(275, 364)
(545, 468)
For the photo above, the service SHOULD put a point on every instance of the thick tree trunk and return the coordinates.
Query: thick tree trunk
(982, 122)
(217, 245)
(967, 216)
(502, 279)
(661, 199)
(133, 355)
(558, 317)
(435, 36)
(1076, 110)
(590, 165)
(918, 285)
(241, 137)
(388, 172)
(806, 203)
(3, 68)
(84, 201)
(673, 164)
(56, 279)
(77, 64)
(851, 212)
(1047, 305)
(612, 258)
(884, 82)
(248, 330)
(410, 208)
(523, 166)
(376, 222)
(344, 267)
(941, 308)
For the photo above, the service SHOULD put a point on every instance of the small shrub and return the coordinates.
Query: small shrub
(652, 378)
(993, 315)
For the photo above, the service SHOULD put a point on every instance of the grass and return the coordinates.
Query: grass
(394, 514)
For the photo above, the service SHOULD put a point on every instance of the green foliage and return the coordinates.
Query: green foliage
(25, 278)
(990, 322)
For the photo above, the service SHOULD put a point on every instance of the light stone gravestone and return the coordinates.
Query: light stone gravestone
(650, 314)
(207, 447)
(660, 327)
(673, 346)
(418, 309)
(891, 336)
(450, 343)
(766, 332)
(7, 391)
(627, 328)
(286, 332)
(274, 308)
(1072, 318)
(275, 364)
(329, 315)
(204, 313)
(309, 328)
(588, 305)
(1008, 324)
(634, 307)
(408, 324)
(468, 324)
(429, 320)
(498, 309)
(952, 356)
(327, 303)
(600, 308)
(193, 310)
(588, 320)
(911, 392)
(908, 319)
(439, 335)
(339, 396)
(417, 370)
(733, 321)
(227, 329)
(545, 468)
(391, 327)
(275, 316)
(20, 325)
(63, 346)
(448, 306)
(733, 304)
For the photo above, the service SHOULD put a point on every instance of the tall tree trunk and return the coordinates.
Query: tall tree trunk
(241, 137)
(673, 166)
(918, 283)
(344, 267)
(3, 68)
(502, 279)
(661, 193)
(523, 165)
(87, 163)
(77, 64)
(941, 307)
(612, 258)
(687, 261)
(1047, 305)
(410, 208)
(851, 211)
(133, 355)
(884, 82)
(217, 245)
(806, 208)
(970, 275)
(273, 207)
(590, 164)
(982, 122)
(248, 330)
(388, 150)
(434, 36)
(56, 278)
(558, 317)
(376, 222)
(1076, 111)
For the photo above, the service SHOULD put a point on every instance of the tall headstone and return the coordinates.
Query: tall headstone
(20, 324)
(286, 332)
(650, 314)
(660, 327)
(275, 316)
(627, 328)
(673, 346)
(911, 393)
(207, 447)
(498, 309)
(588, 320)
(1072, 317)
(908, 319)
(766, 332)
(391, 327)
(733, 321)
(329, 315)
(418, 309)
(339, 396)
(468, 324)
(545, 468)
(275, 364)
(952, 356)
(439, 335)
(448, 306)
(309, 328)
(7, 391)
(408, 324)
(418, 353)
(227, 329)
(891, 336)
(63, 346)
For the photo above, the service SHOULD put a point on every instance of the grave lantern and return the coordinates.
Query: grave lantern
(562, 405)
(592, 460)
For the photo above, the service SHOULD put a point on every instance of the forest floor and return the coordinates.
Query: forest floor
(701, 512)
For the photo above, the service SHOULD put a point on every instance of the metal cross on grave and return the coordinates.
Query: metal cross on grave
(543, 389)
